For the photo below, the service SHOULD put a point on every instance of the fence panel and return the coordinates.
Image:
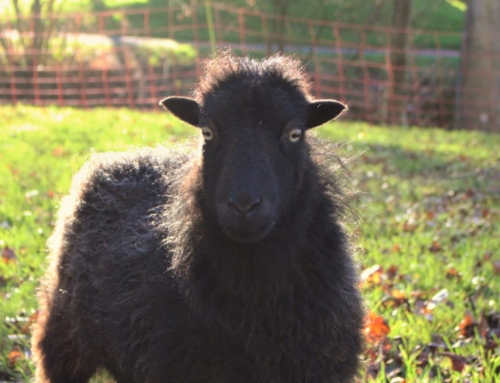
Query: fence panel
(128, 58)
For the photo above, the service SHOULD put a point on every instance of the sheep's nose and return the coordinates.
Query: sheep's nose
(243, 202)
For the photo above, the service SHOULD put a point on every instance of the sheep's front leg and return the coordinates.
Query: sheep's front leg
(57, 353)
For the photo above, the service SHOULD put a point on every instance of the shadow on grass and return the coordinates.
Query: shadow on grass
(434, 166)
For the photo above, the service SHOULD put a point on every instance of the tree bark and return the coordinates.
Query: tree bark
(479, 101)
(398, 42)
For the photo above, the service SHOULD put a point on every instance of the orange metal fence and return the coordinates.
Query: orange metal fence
(125, 58)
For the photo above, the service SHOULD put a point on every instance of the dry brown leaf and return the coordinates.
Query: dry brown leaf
(418, 294)
(32, 319)
(435, 247)
(453, 273)
(466, 326)
(392, 271)
(496, 267)
(399, 295)
(492, 339)
(482, 325)
(375, 328)
(58, 151)
(8, 255)
(458, 362)
(13, 170)
(408, 227)
(422, 359)
(372, 276)
(14, 356)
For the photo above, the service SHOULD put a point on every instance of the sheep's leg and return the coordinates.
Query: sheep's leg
(57, 353)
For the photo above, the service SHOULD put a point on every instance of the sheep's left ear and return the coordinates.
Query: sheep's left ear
(184, 108)
(321, 111)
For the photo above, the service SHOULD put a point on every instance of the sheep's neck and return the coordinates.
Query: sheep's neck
(237, 284)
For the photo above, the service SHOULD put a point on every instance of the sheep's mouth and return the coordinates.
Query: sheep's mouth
(249, 227)
(246, 235)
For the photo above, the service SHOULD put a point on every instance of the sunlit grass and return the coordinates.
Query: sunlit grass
(429, 202)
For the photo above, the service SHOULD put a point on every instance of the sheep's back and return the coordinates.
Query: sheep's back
(107, 263)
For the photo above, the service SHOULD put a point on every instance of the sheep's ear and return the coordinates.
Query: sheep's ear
(184, 108)
(321, 111)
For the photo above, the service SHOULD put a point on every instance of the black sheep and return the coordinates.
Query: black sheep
(227, 266)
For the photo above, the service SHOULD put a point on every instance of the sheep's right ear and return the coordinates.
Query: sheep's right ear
(321, 111)
(184, 108)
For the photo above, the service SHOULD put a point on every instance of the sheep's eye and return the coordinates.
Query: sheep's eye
(294, 135)
(207, 133)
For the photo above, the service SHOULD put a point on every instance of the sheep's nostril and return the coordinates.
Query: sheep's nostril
(243, 202)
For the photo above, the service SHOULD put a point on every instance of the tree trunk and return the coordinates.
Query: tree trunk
(36, 28)
(479, 100)
(399, 39)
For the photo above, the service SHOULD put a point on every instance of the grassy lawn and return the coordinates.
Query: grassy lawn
(429, 203)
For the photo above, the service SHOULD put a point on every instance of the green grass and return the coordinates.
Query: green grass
(429, 202)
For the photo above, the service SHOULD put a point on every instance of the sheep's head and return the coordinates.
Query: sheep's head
(253, 117)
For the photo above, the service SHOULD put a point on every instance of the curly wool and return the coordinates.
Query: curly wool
(144, 283)
(226, 68)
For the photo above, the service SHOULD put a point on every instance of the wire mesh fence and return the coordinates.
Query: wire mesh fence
(135, 57)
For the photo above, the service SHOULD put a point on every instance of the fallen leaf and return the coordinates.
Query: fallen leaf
(492, 337)
(392, 272)
(466, 325)
(422, 359)
(58, 151)
(482, 325)
(8, 255)
(13, 170)
(458, 362)
(418, 294)
(399, 295)
(14, 356)
(435, 247)
(496, 267)
(372, 276)
(408, 227)
(396, 299)
(376, 328)
(32, 319)
(453, 273)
